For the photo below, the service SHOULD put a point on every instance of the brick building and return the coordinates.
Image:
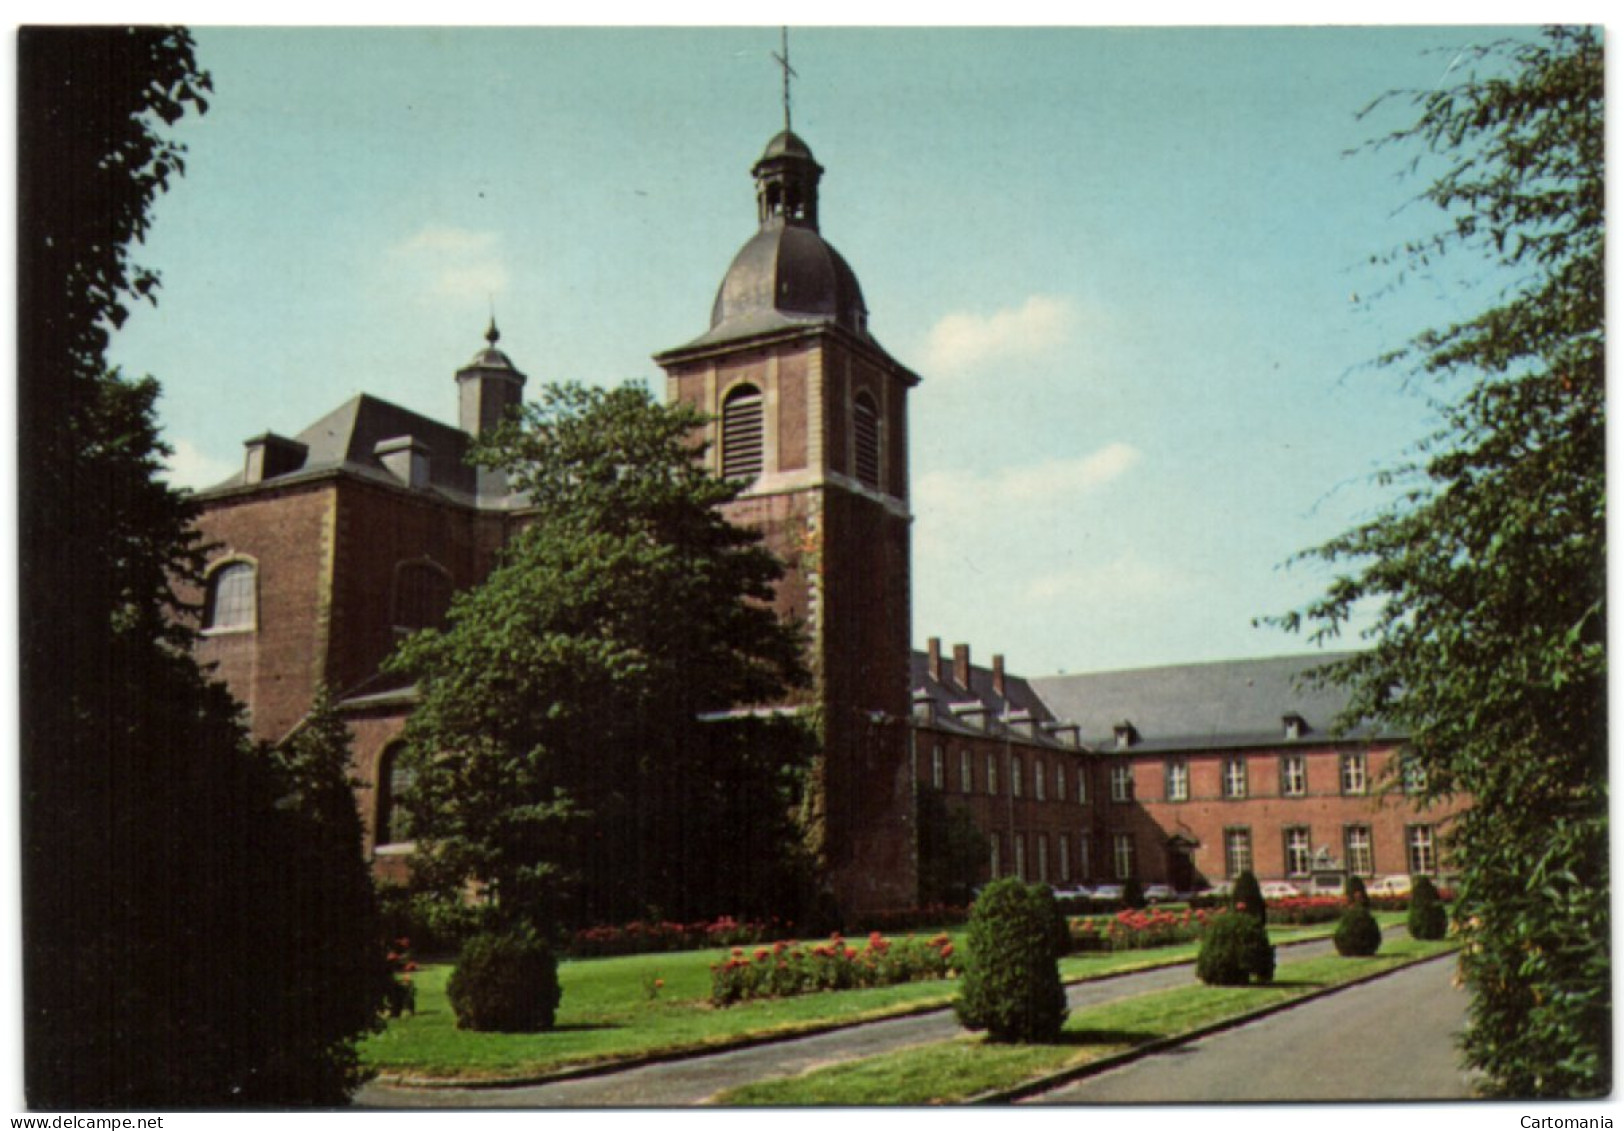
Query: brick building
(330, 545)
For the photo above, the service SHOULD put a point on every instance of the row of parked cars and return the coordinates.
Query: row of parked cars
(1273, 889)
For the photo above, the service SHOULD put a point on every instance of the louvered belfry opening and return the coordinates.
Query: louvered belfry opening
(866, 424)
(743, 433)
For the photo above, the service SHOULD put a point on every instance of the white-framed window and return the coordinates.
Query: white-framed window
(1064, 844)
(866, 435)
(1178, 780)
(1082, 786)
(1235, 778)
(1083, 870)
(1016, 785)
(1059, 781)
(992, 775)
(1237, 851)
(938, 767)
(1020, 854)
(1122, 843)
(1122, 782)
(1293, 775)
(1299, 855)
(1043, 858)
(995, 854)
(744, 433)
(966, 774)
(1357, 852)
(1353, 773)
(1040, 783)
(1422, 849)
(230, 601)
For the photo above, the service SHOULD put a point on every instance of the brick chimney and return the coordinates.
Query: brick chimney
(961, 665)
(933, 647)
(998, 675)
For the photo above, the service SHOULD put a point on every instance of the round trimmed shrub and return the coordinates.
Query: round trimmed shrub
(1428, 917)
(1356, 891)
(505, 983)
(1234, 950)
(1357, 935)
(1247, 897)
(1011, 984)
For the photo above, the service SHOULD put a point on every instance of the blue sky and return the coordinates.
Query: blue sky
(1131, 265)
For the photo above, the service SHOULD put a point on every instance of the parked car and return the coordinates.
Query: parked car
(1109, 891)
(1160, 893)
(1390, 885)
(1279, 889)
(1073, 891)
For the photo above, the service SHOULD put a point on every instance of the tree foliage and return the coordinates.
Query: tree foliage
(569, 745)
(1486, 576)
(952, 850)
(170, 910)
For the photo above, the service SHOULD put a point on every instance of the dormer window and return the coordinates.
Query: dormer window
(1126, 735)
(1295, 726)
(743, 433)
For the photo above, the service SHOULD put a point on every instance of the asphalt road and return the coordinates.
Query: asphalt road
(693, 1080)
(1391, 1039)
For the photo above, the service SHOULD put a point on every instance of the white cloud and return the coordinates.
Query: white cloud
(963, 340)
(190, 467)
(1053, 484)
(455, 263)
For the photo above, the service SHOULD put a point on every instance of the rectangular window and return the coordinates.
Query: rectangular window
(1423, 852)
(995, 854)
(1124, 856)
(1043, 858)
(1016, 785)
(992, 775)
(938, 768)
(1357, 852)
(1059, 781)
(1065, 857)
(1299, 856)
(1122, 782)
(1020, 854)
(1237, 852)
(1353, 773)
(966, 782)
(1293, 775)
(1040, 784)
(1415, 777)
(1178, 780)
(1083, 870)
(1082, 786)
(1235, 777)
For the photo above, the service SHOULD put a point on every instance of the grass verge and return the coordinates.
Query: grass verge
(631, 1008)
(957, 1070)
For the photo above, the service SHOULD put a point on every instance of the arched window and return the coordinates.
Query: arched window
(866, 429)
(743, 433)
(422, 596)
(395, 777)
(229, 603)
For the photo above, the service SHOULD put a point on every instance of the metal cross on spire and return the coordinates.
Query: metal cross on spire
(789, 71)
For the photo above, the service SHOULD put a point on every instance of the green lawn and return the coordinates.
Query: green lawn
(954, 1071)
(608, 1013)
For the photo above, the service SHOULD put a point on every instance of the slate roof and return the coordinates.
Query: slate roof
(1018, 696)
(1235, 703)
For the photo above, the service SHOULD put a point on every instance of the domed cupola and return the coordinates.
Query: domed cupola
(787, 274)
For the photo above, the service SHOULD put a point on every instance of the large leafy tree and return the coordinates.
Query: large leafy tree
(572, 753)
(1486, 578)
(168, 886)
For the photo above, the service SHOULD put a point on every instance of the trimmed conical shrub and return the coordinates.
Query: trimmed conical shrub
(1248, 898)
(1011, 984)
(1429, 919)
(1357, 934)
(1235, 950)
(1356, 890)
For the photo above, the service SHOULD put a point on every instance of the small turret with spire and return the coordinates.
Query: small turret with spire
(488, 388)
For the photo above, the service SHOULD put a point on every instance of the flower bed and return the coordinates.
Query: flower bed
(786, 969)
(1133, 930)
(1304, 909)
(650, 938)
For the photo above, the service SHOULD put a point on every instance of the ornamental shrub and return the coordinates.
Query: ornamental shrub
(1011, 985)
(1357, 935)
(505, 983)
(1357, 892)
(1248, 897)
(1235, 950)
(1133, 894)
(1428, 917)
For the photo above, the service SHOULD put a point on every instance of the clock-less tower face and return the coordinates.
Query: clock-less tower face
(811, 412)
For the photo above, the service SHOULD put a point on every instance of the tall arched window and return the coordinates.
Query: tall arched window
(743, 433)
(866, 431)
(229, 603)
(395, 776)
(422, 596)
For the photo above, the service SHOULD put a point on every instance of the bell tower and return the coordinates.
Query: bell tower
(811, 411)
